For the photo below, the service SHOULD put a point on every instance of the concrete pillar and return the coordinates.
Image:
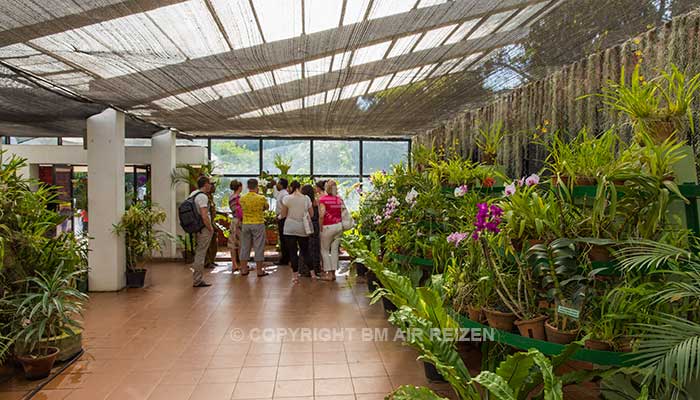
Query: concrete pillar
(105, 158)
(162, 191)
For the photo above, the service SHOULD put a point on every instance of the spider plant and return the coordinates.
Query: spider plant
(46, 310)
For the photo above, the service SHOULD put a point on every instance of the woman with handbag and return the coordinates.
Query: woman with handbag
(331, 211)
(297, 209)
(314, 264)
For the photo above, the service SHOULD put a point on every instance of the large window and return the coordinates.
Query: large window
(337, 157)
(377, 156)
(236, 156)
(349, 162)
(296, 151)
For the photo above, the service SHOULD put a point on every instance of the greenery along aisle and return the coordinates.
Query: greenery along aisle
(38, 270)
(599, 251)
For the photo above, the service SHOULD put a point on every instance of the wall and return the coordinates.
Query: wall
(553, 99)
(76, 155)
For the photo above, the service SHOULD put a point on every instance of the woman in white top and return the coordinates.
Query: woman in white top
(296, 208)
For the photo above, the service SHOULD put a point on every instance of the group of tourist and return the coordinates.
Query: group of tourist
(309, 222)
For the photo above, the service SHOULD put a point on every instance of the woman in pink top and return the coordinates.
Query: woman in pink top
(234, 236)
(330, 217)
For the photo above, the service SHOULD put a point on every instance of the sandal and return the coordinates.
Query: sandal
(263, 274)
(295, 279)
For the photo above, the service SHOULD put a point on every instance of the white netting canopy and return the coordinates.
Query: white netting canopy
(298, 67)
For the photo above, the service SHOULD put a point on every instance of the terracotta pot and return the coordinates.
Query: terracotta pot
(599, 345)
(554, 335)
(585, 181)
(532, 328)
(271, 237)
(619, 182)
(517, 244)
(625, 344)
(475, 314)
(599, 253)
(38, 367)
(500, 320)
(488, 159)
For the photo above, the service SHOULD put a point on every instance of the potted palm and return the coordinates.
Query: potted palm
(141, 239)
(43, 313)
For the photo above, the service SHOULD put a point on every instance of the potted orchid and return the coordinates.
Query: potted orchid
(532, 215)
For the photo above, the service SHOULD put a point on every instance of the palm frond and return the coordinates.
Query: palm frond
(671, 349)
(648, 256)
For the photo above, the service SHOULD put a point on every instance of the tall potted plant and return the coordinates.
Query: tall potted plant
(42, 313)
(141, 239)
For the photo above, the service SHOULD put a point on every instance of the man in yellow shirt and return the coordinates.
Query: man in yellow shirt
(253, 227)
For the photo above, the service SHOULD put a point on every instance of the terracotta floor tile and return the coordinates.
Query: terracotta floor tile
(261, 360)
(225, 362)
(265, 348)
(255, 374)
(363, 356)
(329, 358)
(380, 385)
(294, 372)
(287, 359)
(254, 390)
(324, 347)
(59, 394)
(367, 369)
(88, 394)
(212, 391)
(171, 392)
(182, 377)
(370, 396)
(337, 397)
(140, 341)
(328, 387)
(132, 391)
(220, 375)
(297, 347)
(294, 388)
(327, 371)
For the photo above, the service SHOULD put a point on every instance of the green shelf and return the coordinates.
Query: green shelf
(608, 358)
(412, 260)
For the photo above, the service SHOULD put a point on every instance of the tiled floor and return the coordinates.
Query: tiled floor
(173, 342)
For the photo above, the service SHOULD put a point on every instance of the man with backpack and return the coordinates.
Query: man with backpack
(194, 218)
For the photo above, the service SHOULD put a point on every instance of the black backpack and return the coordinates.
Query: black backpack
(190, 218)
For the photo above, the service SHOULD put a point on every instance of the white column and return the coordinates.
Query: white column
(105, 157)
(162, 191)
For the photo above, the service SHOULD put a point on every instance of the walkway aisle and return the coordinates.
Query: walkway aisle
(173, 342)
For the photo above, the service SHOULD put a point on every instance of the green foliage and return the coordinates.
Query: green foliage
(655, 108)
(407, 392)
(490, 139)
(141, 238)
(47, 308)
(29, 246)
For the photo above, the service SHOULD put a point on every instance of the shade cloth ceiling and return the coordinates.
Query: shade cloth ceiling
(275, 67)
